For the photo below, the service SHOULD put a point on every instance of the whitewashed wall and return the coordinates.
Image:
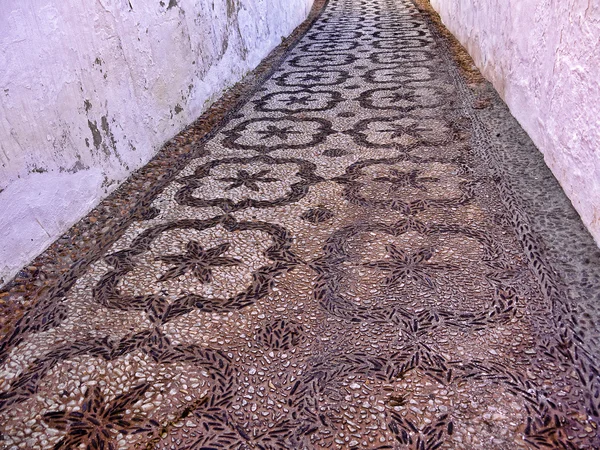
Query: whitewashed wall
(543, 56)
(90, 90)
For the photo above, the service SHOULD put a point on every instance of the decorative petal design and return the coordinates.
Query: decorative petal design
(402, 185)
(248, 189)
(265, 135)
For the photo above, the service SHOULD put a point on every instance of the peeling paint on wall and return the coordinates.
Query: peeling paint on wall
(103, 86)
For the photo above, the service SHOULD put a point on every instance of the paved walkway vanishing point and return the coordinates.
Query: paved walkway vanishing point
(340, 266)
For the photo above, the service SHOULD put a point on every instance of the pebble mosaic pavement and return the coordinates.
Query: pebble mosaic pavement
(341, 265)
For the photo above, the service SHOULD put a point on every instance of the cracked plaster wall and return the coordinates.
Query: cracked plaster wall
(543, 57)
(89, 91)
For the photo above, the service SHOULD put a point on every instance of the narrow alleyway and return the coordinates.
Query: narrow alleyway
(341, 265)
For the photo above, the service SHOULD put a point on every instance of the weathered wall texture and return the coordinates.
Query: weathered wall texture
(89, 91)
(543, 57)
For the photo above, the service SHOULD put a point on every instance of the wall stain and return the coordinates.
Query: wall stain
(178, 108)
(95, 133)
(172, 4)
(87, 105)
(232, 8)
(63, 141)
(224, 46)
(76, 167)
(107, 182)
(106, 128)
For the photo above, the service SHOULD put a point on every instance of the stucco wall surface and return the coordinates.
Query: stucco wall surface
(543, 57)
(89, 91)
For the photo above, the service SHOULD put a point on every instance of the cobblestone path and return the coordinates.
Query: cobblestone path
(341, 265)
